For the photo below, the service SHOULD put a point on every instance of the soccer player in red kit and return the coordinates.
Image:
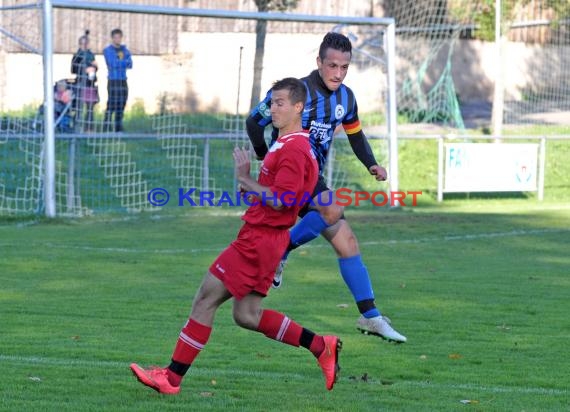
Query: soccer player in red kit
(244, 270)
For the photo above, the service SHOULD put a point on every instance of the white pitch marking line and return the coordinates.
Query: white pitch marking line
(482, 388)
(116, 364)
(444, 238)
(475, 236)
(280, 375)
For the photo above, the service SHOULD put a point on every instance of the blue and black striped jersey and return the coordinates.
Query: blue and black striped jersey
(324, 111)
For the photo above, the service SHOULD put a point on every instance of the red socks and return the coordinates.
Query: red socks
(317, 346)
(279, 327)
(191, 341)
(273, 324)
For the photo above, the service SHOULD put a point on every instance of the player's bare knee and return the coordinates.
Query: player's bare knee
(344, 241)
(352, 248)
(245, 319)
(203, 305)
(331, 213)
(201, 297)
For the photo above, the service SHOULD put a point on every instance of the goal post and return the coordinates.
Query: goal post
(391, 110)
(49, 107)
(389, 40)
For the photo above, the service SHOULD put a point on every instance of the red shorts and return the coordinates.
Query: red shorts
(248, 264)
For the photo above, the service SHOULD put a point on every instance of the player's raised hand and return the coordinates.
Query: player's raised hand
(241, 161)
(378, 172)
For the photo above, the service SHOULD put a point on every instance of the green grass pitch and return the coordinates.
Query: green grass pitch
(481, 289)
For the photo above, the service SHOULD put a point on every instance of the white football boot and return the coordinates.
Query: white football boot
(278, 277)
(379, 326)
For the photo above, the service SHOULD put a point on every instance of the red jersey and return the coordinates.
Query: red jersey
(290, 170)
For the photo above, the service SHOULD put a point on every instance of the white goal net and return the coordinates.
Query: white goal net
(189, 91)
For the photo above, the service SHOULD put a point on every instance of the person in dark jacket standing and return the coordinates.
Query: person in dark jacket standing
(83, 64)
(118, 59)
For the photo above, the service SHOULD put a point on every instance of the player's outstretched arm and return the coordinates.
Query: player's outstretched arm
(359, 144)
(363, 151)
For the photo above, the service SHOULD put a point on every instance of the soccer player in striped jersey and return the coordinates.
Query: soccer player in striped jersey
(329, 104)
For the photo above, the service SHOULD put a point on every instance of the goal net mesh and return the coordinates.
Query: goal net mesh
(189, 91)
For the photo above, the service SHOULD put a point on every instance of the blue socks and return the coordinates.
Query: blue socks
(372, 313)
(352, 269)
(308, 228)
(356, 277)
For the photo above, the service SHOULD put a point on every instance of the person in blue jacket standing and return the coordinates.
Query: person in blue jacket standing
(118, 59)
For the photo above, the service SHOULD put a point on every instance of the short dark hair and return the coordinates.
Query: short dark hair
(116, 31)
(336, 41)
(297, 89)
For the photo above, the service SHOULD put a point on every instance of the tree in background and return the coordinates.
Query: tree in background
(485, 18)
(260, 34)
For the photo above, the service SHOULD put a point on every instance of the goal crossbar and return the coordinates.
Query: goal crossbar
(220, 14)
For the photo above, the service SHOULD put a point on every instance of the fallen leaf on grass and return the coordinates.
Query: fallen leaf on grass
(403, 285)
(214, 382)
(503, 327)
(342, 305)
(76, 337)
(207, 394)
(423, 357)
(35, 378)
(469, 401)
(303, 252)
(455, 356)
